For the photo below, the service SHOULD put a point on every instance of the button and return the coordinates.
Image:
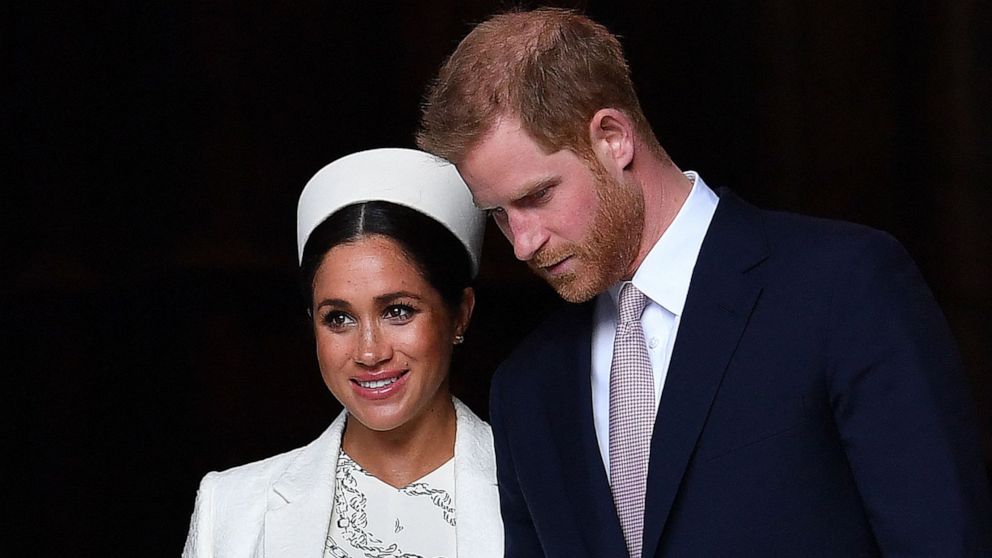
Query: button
(653, 343)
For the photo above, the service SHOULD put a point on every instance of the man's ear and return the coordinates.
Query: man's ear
(611, 135)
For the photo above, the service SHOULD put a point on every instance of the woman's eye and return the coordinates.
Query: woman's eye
(399, 312)
(337, 320)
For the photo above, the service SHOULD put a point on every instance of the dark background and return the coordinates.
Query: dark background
(150, 306)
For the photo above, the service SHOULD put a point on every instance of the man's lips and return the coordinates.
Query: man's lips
(555, 267)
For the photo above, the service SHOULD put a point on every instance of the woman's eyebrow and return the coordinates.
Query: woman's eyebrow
(394, 295)
(336, 302)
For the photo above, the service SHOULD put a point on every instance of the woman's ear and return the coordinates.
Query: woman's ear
(611, 134)
(465, 311)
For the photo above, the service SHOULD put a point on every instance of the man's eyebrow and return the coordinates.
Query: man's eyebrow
(528, 189)
(539, 185)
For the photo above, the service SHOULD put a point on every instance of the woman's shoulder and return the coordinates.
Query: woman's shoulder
(231, 504)
(240, 495)
(263, 471)
(252, 479)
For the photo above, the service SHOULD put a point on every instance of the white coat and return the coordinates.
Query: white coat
(280, 507)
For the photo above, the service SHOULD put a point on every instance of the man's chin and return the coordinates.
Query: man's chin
(581, 282)
(571, 288)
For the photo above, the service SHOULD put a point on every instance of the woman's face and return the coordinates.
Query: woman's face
(384, 335)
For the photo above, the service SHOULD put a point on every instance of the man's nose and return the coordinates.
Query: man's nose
(525, 233)
(372, 347)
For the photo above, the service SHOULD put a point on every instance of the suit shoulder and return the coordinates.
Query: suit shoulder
(780, 223)
(832, 241)
(562, 329)
(269, 466)
(230, 504)
(250, 480)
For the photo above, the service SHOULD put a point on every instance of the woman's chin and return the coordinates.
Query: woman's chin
(380, 418)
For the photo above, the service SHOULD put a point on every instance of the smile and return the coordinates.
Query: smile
(377, 383)
(387, 384)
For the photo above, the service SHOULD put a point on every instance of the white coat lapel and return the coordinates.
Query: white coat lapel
(302, 498)
(479, 529)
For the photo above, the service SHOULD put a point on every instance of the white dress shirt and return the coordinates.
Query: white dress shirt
(663, 277)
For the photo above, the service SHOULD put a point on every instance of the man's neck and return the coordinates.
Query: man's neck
(665, 190)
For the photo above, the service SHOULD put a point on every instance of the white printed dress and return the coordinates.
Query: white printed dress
(372, 519)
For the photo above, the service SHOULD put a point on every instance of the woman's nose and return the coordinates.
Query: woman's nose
(373, 346)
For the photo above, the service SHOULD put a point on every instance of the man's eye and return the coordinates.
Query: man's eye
(496, 213)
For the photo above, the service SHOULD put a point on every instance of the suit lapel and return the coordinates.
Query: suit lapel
(720, 300)
(570, 417)
(301, 500)
(479, 531)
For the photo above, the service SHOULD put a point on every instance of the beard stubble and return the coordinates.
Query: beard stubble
(612, 243)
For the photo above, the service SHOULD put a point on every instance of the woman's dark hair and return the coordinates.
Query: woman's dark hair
(440, 257)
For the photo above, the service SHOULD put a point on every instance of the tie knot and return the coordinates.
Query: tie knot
(632, 303)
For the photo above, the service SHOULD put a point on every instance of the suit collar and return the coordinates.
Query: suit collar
(479, 530)
(720, 300)
(665, 274)
(301, 500)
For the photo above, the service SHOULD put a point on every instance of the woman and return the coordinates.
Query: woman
(389, 242)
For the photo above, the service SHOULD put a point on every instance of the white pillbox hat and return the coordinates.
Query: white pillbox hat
(406, 177)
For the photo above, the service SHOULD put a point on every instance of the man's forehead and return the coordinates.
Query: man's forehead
(507, 164)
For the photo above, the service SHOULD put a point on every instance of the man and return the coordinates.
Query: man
(740, 382)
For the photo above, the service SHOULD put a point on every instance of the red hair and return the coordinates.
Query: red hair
(552, 69)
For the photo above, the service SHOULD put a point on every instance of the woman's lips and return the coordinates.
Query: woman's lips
(381, 385)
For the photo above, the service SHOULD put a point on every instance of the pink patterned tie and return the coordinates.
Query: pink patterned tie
(631, 417)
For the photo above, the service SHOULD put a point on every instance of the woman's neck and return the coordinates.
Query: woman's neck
(400, 456)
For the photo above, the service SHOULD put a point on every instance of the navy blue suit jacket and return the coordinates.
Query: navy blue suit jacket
(814, 406)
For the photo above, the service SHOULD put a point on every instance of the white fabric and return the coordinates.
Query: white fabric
(281, 507)
(664, 277)
(373, 517)
(406, 177)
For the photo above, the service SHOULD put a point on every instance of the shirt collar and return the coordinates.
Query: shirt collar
(665, 273)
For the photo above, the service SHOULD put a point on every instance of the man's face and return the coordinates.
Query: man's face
(574, 224)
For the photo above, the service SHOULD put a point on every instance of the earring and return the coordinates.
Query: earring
(459, 339)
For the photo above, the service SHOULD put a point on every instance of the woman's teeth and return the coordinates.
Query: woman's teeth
(377, 383)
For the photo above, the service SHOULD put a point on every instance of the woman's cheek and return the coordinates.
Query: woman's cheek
(333, 353)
